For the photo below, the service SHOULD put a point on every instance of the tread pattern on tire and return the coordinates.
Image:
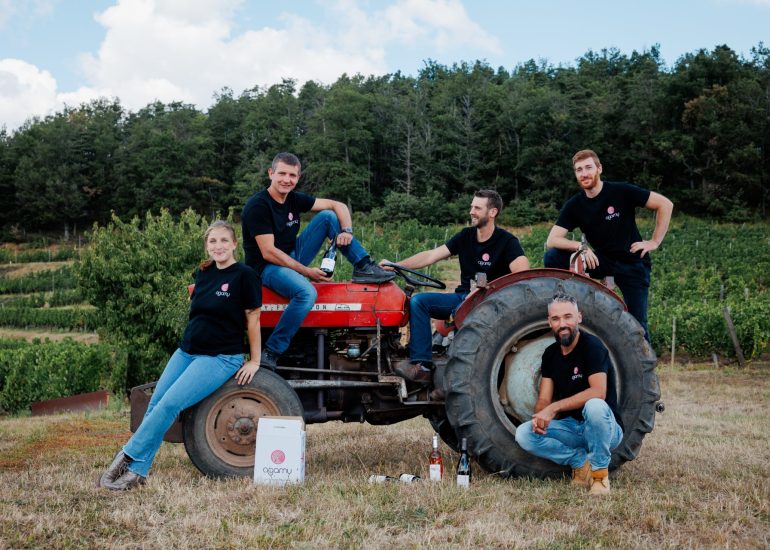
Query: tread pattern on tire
(470, 399)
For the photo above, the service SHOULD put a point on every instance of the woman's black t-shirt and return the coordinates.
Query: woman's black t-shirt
(217, 311)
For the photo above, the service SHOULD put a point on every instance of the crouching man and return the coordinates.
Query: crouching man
(576, 421)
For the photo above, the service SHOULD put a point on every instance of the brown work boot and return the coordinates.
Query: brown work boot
(582, 476)
(117, 468)
(437, 395)
(127, 481)
(416, 372)
(600, 482)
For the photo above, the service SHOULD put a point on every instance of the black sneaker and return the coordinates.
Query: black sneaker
(268, 359)
(372, 273)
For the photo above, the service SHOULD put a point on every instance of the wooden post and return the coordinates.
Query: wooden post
(673, 341)
(734, 336)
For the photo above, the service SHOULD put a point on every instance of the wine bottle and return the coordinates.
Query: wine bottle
(464, 466)
(436, 462)
(379, 478)
(409, 478)
(329, 260)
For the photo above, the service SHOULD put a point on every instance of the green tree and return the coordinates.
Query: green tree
(136, 274)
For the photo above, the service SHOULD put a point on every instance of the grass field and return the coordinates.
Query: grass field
(702, 480)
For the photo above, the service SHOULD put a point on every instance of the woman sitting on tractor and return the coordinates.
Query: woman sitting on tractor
(226, 301)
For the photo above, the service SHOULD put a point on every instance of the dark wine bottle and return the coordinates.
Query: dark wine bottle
(464, 466)
(329, 260)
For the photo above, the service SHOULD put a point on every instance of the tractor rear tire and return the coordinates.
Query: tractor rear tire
(220, 432)
(518, 312)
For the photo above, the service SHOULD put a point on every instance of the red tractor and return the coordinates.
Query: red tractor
(339, 367)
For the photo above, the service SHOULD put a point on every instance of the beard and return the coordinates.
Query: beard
(480, 223)
(590, 184)
(566, 338)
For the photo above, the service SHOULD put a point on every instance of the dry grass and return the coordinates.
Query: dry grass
(54, 336)
(702, 480)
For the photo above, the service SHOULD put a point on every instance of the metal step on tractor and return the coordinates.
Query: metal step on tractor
(339, 367)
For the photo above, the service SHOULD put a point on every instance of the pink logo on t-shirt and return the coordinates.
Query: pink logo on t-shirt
(225, 287)
(610, 210)
(576, 370)
(291, 216)
(485, 257)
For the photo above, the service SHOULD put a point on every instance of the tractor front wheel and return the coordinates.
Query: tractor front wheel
(220, 432)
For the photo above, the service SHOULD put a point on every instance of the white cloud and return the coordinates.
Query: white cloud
(25, 90)
(185, 50)
(181, 50)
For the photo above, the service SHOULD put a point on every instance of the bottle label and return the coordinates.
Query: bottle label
(408, 478)
(435, 472)
(327, 264)
(463, 480)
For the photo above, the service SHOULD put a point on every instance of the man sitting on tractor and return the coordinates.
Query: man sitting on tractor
(271, 223)
(576, 422)
(482, 248)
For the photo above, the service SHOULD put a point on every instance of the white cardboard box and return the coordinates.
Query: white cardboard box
(279, 457)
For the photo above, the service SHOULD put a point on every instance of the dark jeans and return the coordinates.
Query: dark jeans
(633, 279)
(422, 308)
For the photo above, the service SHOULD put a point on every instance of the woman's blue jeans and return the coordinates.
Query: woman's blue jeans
(290, 284)
(186, 380)
(571, 442)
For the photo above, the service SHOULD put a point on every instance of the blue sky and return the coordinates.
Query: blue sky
(57, 52)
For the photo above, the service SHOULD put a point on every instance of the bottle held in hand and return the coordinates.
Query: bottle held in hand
(464, 466)
(329, 260)
(436, 462)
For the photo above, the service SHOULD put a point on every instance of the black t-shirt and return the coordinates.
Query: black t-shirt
(217, 311)
(492, 257)
(608, 219)
(570, 372)
(262, 215)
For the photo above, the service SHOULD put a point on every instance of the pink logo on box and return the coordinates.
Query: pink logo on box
(277, 456)
(485, 257)
(225, 287)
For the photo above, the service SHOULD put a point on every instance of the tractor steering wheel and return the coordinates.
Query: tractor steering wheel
(424, 280)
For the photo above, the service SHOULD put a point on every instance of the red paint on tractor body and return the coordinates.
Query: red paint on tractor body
(341, 305)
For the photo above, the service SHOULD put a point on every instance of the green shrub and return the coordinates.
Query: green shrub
(60, 254)
(136, 274)
(47, 370)
(70, 318)
(49, 280)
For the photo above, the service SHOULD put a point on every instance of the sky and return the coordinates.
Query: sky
(65, 52)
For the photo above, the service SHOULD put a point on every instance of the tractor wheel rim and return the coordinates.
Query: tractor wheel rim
(231, 425)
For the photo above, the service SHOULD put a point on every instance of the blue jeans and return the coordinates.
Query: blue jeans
(571, 442)
(633, 279)
(186, 380)
(422, 308)
(290, 284)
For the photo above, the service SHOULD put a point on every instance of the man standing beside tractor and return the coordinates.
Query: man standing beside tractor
(576, 422)
(605, 213)
(482, 248)
(271, 220)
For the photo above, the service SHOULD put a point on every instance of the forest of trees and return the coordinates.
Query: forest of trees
(412, 147)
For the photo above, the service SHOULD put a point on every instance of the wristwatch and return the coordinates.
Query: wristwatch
(347, 230)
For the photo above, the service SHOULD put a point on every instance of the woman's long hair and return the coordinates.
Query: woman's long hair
(216, 224)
